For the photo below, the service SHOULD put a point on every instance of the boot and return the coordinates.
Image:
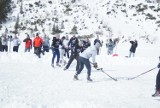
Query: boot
(52, 65)
(157, 93)
(89, 79)
(57, 64)
(75, 77)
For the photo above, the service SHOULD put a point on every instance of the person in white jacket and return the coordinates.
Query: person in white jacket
(16, 43)
(84, 60)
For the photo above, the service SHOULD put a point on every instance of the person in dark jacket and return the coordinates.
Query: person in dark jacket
(72, 42)
(157, 93)
(134, 45)
(75, 55)
(56, 42)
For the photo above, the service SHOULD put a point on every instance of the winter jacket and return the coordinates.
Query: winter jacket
(110, 45)
(37, 42)
(28, 42)
(133, 46)
(65, 43)
(16, 42)
(46, 41)
(89, 52)
(56, 43)
(72, 42)
(4, 40)
(77, 49)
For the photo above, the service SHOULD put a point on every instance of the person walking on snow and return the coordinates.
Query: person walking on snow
(37, 43)
(56, 42)
(110, 45)
(16, 43)
(157, 93)
(95, 41)
(134, 45)
(62, 52)
(28, 44)
(84, 60)
(46, 44)
(66, 48)
(75, 55)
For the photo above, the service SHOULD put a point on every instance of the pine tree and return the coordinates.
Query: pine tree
(5, 8)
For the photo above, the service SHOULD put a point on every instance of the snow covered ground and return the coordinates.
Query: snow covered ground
(29, 82)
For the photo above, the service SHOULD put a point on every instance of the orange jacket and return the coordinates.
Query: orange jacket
(37, 42)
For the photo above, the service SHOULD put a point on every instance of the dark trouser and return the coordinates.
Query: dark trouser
(66, 53)
(37, 51)
(158, 81)
(27, 49)
(55, 53)
(15, 48)
(46, 48)
(4, 48)
(82, 62)
(72, 57)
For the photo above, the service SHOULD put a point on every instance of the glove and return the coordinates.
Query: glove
(158, 65)
(95, 65)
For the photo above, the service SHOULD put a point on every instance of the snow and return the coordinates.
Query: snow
(29, 82)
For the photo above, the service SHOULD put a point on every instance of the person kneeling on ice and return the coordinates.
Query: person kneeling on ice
(157, 93)
(84, 60)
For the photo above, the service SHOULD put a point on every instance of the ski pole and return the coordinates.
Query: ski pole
(142, 74)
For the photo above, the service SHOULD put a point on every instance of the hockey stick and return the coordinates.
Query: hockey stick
(142, 73)
(101, 69)
(108, 74)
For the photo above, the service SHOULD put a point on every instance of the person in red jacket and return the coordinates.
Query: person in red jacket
(28, 43)
(37, 43)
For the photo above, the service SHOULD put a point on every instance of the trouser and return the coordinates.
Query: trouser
(4, 48)
(55, 53)
(15, 48)
(27, 49)
(82, 62)
(131, 54)
(66, 53)
(37, 51)
(110, 51)
(72, 57)
(46, 48)
(158, 81)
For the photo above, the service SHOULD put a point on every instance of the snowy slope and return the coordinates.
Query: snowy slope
(115, 18)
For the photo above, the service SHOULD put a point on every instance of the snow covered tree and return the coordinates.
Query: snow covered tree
(74, 30)
(5, 8)
(16, 25)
